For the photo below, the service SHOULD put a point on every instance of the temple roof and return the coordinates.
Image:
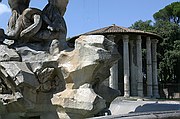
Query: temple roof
(114, 29)
(117, 29)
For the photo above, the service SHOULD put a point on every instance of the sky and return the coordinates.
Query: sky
(86, 15)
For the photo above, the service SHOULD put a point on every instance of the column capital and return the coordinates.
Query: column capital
(148, 39)
(139, 40)
(154, 41)
(139, 37)
(148, 42)
(125, 38)
(111, 37)
(131, 41)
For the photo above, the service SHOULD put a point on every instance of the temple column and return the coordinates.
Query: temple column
(154, 68)
(133, 68)
(149, 67)
(113, 80)
(126, 65)
(139, 65)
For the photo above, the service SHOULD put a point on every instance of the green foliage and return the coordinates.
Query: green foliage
(170, 32)
(168, 66)
(169, 50)
(143, 25)
(167, 30)
(170, 13)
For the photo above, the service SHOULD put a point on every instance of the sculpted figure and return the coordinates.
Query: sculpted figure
(14, 24)
(37, 35)
(54, 26)
(61, 5)
(23, 20)
(31, 24)
(2, 35)
(18, 5)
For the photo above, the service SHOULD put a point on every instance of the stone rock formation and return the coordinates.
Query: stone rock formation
(40, 77)
(84, 69)
(8, 54)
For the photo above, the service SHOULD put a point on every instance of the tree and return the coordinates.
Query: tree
(169, 66)
(169, 13)
(143, 25)
(169, 31)
(168, 49)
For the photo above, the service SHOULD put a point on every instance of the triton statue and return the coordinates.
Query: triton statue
(31, 24)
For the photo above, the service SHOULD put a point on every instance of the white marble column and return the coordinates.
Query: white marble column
(113, 79)
(149, 67)
(154, 67)
(139, 65)
(126, 65)
(133, 68)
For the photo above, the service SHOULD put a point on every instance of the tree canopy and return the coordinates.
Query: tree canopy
(143, 25)
(170, 13)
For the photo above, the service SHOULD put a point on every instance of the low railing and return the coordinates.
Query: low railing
(169, 90)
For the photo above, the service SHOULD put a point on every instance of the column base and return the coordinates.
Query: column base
(126, 95)
(149, 91)
(140, 94)
(156, 96)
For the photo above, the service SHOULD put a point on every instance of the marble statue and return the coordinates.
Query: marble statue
(15, 21)
(40, 76)
(35, 25)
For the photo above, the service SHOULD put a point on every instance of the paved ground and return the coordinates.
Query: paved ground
(136, 108)
(145, 115)
(122, 106)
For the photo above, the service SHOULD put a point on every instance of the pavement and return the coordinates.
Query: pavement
(126, 106)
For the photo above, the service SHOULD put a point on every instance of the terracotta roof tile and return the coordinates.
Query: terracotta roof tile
(114, 29)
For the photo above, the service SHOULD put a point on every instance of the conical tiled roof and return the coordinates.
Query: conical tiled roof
(117, 29)
(114, 29)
